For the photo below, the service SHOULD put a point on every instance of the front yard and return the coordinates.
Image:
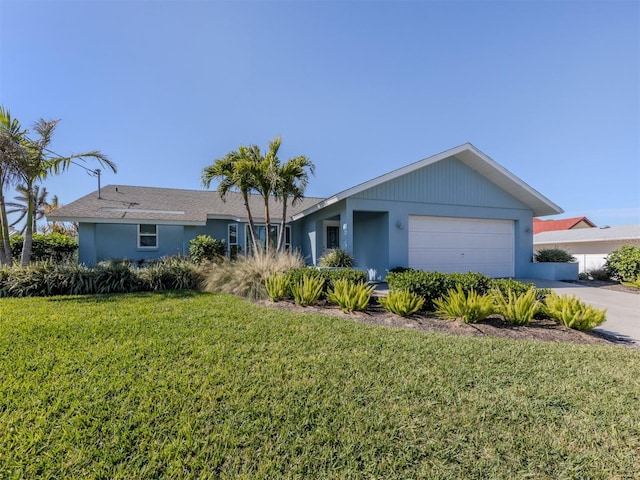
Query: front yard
(197, 385)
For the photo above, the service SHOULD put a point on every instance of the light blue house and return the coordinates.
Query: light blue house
(456, 211)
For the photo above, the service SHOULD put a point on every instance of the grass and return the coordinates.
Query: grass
(196, 385)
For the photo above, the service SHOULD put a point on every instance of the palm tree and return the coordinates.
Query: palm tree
(40, 205)
(292, 181)
(12, 151)
(236, 171)
(38, 164)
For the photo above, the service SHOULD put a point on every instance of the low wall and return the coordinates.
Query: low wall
(554, 271)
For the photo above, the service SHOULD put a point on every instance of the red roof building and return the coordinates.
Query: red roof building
(563, 224)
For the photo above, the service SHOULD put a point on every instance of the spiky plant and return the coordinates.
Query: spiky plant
(350, 296)
(402, 302)
(573, 312)
(516, 308)
(470, 307)
(307, 290)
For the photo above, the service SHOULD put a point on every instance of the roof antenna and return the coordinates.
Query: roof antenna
(97, 172)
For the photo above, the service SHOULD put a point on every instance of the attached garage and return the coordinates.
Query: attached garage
(449, 244)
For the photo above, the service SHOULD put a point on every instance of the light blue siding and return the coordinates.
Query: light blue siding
(374, 222)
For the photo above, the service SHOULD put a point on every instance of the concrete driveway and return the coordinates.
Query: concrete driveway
(623, 309)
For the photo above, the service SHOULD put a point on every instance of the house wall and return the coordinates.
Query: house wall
(447, 188)
(590, 255)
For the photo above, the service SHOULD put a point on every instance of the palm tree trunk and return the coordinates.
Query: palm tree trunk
(252, 228)
(282, 226)
(28, 235)
(5, 248)
(267, 224)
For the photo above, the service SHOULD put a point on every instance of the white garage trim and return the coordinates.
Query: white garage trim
(449, 244)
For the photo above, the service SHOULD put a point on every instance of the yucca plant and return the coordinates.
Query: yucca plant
(307, 290)
(470, 307)
(516, 308)
(277, 285)
(350, 296)
(402, 302)
(573, 312)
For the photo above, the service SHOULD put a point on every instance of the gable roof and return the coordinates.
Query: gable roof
(130, 204)
(471, 157)
(619, 233)
(540, 225)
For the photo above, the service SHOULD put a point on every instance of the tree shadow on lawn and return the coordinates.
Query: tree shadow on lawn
(116, 297)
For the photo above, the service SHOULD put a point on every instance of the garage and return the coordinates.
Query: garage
(448, 244)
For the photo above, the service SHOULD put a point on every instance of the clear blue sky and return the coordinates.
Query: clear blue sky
(550, 90)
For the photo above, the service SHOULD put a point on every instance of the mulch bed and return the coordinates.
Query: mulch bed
(543, 330)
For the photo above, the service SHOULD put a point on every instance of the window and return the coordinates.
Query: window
(147, 236)
(261, 236)
(232, 240)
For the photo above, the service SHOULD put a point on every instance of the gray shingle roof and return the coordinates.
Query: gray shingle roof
(124, 204)
(611, 234)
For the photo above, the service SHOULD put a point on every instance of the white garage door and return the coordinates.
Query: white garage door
(447, 244)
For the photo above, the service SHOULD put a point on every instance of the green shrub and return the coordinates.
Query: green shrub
(115, 276)
(336, 257)
(634, 284)
(553, 255)
(170, 273)
(307, 290)
(519, 288)
(599, 274)
(573, 313)
(470, 307)
(350, 296)
(245, 275)
(54, 247)
(623, 264)
(402, 302)
(204, 248)
(433, 285)
(277, 285)
(516, 308)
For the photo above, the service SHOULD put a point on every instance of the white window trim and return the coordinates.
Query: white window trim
(247, 235)
(145, 247)
(236, 244)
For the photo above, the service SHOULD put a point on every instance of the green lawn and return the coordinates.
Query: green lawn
(193, 385)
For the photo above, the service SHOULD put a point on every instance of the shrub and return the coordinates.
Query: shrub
(277, 285)
(307, 290)
(519, 288)
(115, 276)
(170, 273)
(402, 303)
(245, 276)
(599, 274)
(516, 308)
(433, 285)
(470, 307)
(573, 313)
(205, 248)
(54, 247)
(553, 255)
(623, 264)
(634, 284)
(350, 296)
(336, 257)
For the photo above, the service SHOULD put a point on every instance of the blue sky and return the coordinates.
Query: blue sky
(550, 90)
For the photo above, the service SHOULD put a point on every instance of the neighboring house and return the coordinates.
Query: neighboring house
(456, 211)
(540, 225)
(590, 246)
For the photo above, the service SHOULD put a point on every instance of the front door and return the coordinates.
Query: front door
(333, 237)
(330, 234)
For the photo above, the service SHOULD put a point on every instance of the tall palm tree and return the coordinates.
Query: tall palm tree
(38, 164)
(292, 180)
(236, 171)
(12, 152)
(40, 205)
